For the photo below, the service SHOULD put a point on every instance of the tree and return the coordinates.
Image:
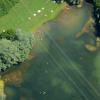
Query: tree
(8, 34)
(16, 51)
(6, 5)
(97, 16)
(70, 2)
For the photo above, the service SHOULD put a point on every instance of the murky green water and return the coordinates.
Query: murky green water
(62, 68)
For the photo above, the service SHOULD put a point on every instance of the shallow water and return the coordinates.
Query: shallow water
(62, 69)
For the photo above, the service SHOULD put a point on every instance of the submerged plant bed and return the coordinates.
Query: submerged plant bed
(15, 49)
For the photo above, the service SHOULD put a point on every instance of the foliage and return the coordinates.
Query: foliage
(8, 34)
(97, 20)
(73, 2)
(96, 5)
(14, 52)
(70, 2)
(6, 5)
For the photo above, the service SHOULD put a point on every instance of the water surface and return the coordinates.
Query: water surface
(62, 68)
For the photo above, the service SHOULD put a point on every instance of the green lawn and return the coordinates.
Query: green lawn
(19, 15)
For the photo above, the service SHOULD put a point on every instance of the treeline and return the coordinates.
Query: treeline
(70, 2)
(96, 4)
(15, 47)
(96, 14)
(6, 5)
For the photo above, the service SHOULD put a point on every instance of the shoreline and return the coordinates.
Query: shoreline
(6, 76)
(13, 71)
(57, 13)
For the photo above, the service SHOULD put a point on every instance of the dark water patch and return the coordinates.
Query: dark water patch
(12, 93)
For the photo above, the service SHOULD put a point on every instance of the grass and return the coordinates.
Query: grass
(18, 16)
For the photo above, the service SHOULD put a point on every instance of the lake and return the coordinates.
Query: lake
(60, 68)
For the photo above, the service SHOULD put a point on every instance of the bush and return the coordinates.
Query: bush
(16, 51)
(8, 34)
(70, 2)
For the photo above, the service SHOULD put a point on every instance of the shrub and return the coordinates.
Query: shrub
(16, 51)
(8, 34)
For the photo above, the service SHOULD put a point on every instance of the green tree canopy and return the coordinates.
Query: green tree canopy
(70, 2)
(16, 51)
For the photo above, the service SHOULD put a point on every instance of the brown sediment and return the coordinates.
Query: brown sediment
(31, 57)
(86, 28)
(16, 75)
(14, 78)
(90, 47)
(65, 11)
